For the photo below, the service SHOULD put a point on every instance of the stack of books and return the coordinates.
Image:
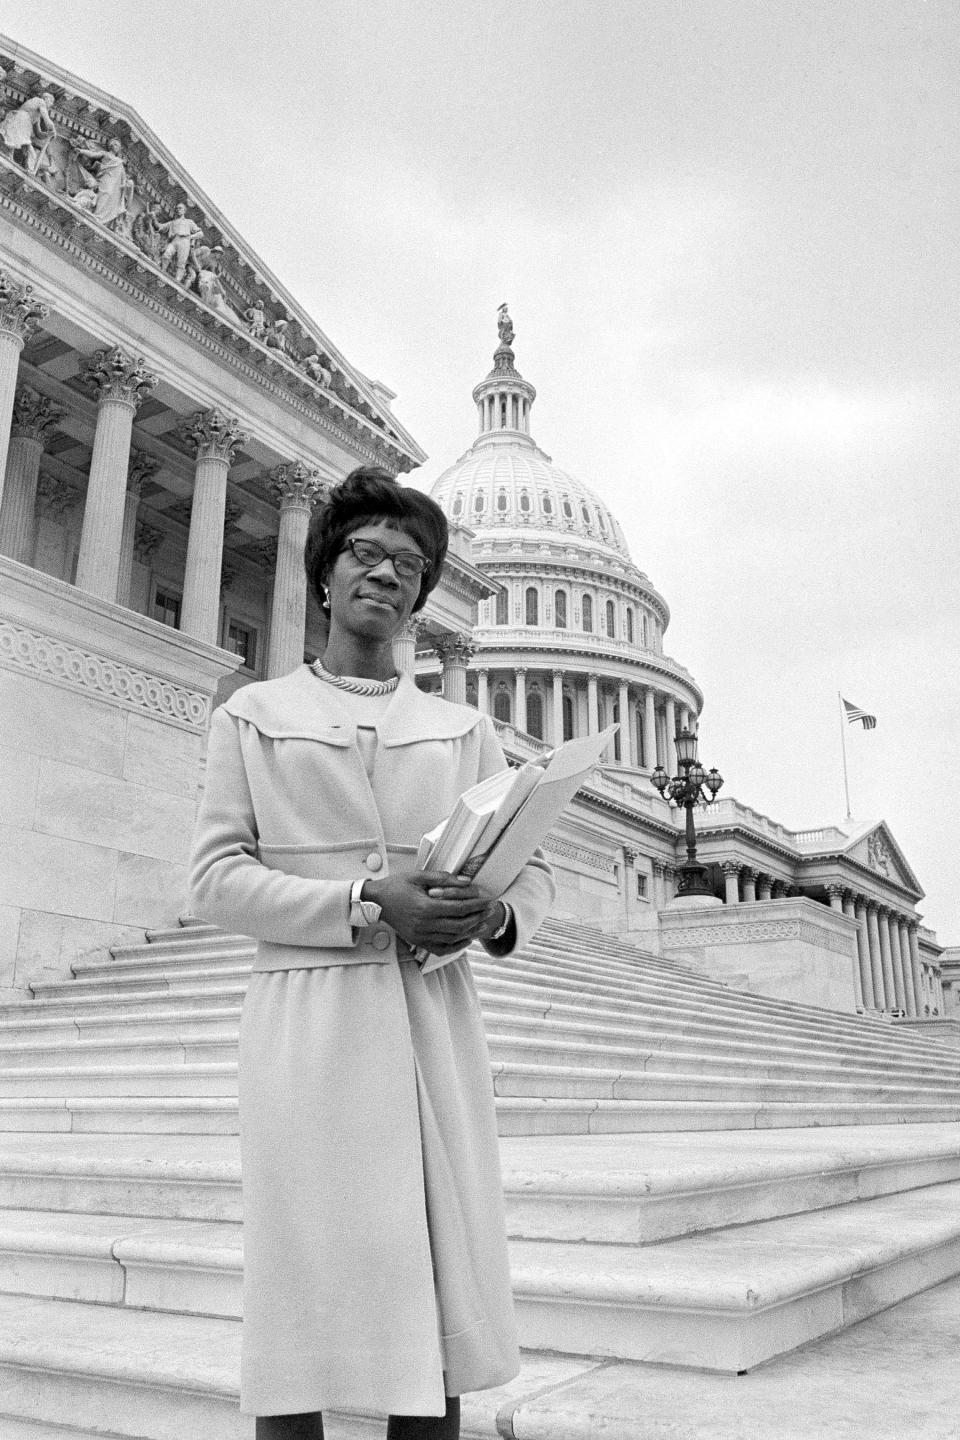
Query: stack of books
(496, 826)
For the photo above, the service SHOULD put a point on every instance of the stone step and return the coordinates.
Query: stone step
(727, 1300)
(730, 1300)
(616, 1189)
(131, 1002)
(512, 1019)
(742, 1060)
(164, 1048)
(643, 989)
(176, 1115)
(71, 1370)
(190, 1177)
(217, 1115)
(202, 976)
(634, 1189)
(693, 1020)
(208, 1078)
(158, 1018)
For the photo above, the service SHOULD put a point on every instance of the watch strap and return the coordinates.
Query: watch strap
(363, 913)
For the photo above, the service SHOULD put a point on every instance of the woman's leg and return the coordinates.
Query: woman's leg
(290, 1427)
(426, 1427)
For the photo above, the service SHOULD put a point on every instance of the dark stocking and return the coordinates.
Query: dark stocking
(427, 1427)
(290, 1427)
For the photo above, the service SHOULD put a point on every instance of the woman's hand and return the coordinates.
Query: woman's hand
(443, 913)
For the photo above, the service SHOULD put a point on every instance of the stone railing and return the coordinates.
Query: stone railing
(503, 636)
(733, 812)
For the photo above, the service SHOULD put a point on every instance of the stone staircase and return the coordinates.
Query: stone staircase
(694, 1176)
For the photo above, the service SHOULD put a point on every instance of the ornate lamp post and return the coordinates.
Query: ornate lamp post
(687, 790)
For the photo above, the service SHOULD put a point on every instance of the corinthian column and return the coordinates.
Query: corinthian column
(520, 707)
(20, 314)
(297, 488)
(122, 383)
(899, 981)
(670, 712)
(909, 992)
(876, 968)
(142, 467)
(558, 707)
(454, 652)
(593, 706)
(863, 954)
(886, 960)
(649, 729)
(483, 693)
(405, 646)
(214, 437)
(34, 416)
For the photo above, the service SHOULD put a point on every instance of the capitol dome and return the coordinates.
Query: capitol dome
(573, 640)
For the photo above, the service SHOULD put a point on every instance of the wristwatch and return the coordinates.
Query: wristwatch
(363, 913)
(507, 917)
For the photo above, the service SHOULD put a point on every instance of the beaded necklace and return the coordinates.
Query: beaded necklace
(356, 686)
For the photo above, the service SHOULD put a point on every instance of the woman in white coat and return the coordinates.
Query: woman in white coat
(375, 1266)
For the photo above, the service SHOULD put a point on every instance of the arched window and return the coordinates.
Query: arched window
(535, 714)
(503, 412)
(560, 609)
(567, 508)
(533, 601)
(478, 503)
(503, 607)
(643, 631)
(586, 515)
(502, 500)
(525, 501)
(501, 706)
(587, 610)
(547, 504)
(630, 624)
(603, 522)
(458, 503)
(611, 620)
(616, 738)
(568, 717)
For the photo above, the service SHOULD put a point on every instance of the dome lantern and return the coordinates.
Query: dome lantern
(504, 398)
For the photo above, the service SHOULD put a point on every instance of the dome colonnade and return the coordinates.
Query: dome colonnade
(573, 640)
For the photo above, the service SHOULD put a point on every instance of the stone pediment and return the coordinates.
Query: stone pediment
(875, 847)
(88, 164)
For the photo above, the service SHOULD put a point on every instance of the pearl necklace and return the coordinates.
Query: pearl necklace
(356, 686)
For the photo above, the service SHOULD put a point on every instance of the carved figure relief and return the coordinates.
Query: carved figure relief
(878, 854)
(256, 320)
(182, 234)
(276, 336)
(147, 234)
(505, 325)
(27, 132)
(107, 189)
(313, 366)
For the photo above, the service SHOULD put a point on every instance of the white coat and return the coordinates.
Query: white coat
(375, 1267)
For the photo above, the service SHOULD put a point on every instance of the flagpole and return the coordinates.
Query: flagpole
(843, 751)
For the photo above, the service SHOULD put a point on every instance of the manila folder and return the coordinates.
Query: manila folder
(562, 777)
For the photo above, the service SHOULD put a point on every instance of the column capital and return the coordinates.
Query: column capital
(749, 873)
(413, 628)
(454, 649)
(658, 867)
(557, 674)
(20, 310)
(34, 415)
(116, 375)
(56, 496)
(913, 925)
(147, 540)
(838, 890)
(630, 855)
(731, 867)
(143, 467)
(296, 485)
(213, 435)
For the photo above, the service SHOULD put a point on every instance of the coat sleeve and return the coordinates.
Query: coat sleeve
(230, 886)
(531, 895)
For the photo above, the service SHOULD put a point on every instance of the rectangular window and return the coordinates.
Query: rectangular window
(641, 886)
(166, 608)
(242, 640)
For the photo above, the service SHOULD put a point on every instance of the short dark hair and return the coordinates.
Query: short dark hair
(369, 493)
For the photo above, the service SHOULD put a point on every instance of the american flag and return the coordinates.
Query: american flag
(855, 713)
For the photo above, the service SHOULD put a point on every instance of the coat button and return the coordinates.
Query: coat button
(381, 940)
(374, 861)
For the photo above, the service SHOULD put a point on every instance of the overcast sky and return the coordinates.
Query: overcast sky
(728, 235)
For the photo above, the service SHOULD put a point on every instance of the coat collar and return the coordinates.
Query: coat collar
(299, 706)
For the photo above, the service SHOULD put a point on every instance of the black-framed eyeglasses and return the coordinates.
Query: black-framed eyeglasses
(407, 563)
